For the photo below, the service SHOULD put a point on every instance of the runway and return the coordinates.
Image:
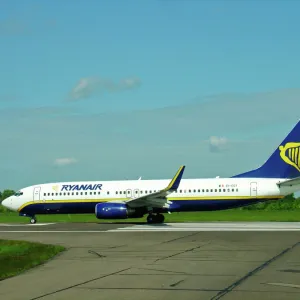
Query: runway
(217, 260)
(127, 227)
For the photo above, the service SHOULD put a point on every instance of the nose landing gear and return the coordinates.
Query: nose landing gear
(32, 220)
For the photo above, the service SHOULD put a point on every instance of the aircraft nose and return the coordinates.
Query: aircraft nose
(5, 203)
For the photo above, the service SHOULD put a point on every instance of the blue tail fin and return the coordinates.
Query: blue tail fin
(284, 162)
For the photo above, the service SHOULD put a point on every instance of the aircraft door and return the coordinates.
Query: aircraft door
(36, 193)
(253, 189)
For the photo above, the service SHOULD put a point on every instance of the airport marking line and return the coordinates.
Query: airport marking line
(21, 225)
(221, 226)
(179, 227)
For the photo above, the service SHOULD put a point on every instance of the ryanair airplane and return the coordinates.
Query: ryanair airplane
(277, 177)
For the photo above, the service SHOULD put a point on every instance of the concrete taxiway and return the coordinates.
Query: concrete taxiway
(171, 261)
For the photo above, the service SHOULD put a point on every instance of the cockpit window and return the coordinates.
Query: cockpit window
(18, 194)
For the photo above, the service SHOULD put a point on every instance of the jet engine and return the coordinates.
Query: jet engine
(111, 210)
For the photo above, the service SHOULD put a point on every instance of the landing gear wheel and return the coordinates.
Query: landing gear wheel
(160, 218)
(150, 219)
(32, 220)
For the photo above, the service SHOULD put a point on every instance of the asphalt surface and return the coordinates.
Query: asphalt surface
(126, 261)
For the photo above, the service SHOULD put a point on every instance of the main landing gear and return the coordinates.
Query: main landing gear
(155, 218)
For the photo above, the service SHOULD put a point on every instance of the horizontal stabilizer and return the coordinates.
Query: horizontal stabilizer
(290, 182)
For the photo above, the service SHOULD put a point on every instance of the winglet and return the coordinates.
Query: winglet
(174, 184)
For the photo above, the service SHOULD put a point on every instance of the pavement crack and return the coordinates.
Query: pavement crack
(176, 283)
(182, 252)
(79, 284)
(290, 271)
(251, 273)
(179, 238)
(149, 289)
(96, 253)
(167, 271)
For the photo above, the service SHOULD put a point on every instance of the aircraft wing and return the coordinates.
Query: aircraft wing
(290, 182)
(158, 199)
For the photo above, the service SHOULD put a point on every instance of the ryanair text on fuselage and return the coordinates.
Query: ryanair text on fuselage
(81, 187)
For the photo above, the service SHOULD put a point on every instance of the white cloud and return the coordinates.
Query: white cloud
(217, 144)
(143, 140)
(89, 86)
(64, 161)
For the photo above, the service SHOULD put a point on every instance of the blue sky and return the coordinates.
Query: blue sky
(122, 89)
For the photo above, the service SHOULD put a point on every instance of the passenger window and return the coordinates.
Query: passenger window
(220, 190)
(48, 194)
(216, 190)
(116, 192)
(44, 194)
(224, 190)
(107, 193)
(207, 191)
(203, 191)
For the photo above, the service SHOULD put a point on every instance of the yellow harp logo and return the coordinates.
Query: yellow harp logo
(290, 154)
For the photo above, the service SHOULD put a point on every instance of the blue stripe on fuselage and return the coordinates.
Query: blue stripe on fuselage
(69, 207)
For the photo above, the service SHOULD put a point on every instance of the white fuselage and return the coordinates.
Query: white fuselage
(191, 195)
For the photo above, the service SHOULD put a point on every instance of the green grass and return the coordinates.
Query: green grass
(226, 215)
(19, 256)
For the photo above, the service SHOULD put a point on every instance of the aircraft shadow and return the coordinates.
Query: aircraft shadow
(130, 223)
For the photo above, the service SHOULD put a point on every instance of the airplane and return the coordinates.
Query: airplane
(275, 179)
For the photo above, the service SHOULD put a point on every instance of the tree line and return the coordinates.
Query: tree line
(3, 195)
(289, 202)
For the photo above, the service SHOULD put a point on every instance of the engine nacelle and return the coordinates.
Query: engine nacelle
(110, 210)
